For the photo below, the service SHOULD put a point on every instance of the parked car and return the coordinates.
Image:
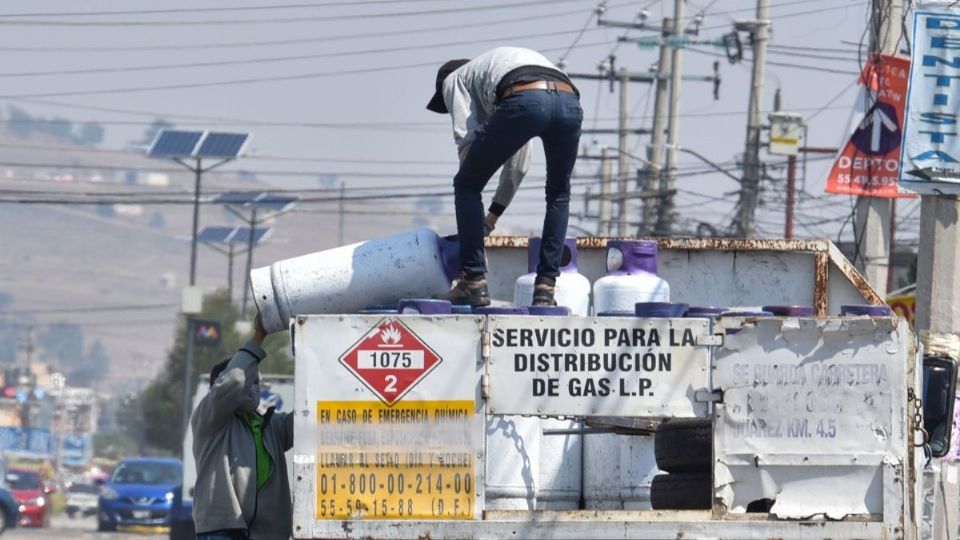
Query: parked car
(28, 489)
(81, 499)
(9, 510)
(139, 493)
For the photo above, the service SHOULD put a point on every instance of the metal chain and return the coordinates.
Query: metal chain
(918, 417)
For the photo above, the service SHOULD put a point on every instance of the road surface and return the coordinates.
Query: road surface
(64, 528)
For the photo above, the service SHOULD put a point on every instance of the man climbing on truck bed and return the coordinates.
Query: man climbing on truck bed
(499, 101)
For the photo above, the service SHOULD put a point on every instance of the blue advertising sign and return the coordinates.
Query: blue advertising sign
(930, 154)
(74, 449)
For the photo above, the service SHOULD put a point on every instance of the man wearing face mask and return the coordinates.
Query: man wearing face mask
(242, 490)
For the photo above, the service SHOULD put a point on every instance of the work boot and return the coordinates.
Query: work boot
(543, 295)
(468, 292)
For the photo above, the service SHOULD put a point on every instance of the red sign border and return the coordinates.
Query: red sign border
(367, 384)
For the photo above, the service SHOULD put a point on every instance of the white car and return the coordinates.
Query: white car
(81, 500)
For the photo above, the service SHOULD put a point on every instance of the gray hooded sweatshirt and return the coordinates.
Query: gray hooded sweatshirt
(226, 494)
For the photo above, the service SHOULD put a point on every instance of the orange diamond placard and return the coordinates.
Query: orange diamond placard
(390, 360)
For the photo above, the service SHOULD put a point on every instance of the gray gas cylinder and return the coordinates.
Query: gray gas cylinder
(415, 264)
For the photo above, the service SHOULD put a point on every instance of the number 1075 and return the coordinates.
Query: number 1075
(389, 359)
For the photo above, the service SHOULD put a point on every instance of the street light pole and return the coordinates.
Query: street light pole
(246, 280)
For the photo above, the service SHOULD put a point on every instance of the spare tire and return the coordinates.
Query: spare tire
(681, 491)
(684, 446)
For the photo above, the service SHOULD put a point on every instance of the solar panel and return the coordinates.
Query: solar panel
(260, 200)
(243, 235)
(216, 235)
(237, 197)
(222, 145)
(172, 143)
(269, 201)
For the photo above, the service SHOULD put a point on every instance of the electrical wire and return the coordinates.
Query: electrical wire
(283, 20)
(275, 59)
(221, 9)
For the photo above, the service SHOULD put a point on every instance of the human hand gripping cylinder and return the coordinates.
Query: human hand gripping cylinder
(415, 264)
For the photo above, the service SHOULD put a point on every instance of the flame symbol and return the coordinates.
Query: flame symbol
(390, 335)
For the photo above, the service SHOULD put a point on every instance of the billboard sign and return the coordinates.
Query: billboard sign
(930, 158)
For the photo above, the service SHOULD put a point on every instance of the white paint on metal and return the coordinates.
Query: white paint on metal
(813, 417)
(608, 366)
(349, 278)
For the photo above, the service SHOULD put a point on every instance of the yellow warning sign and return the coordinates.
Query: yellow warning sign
(413, 460)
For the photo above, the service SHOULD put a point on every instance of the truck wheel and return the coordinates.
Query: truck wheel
(681, 491)
(684, 446)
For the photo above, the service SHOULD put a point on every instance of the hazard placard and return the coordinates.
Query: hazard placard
(390, 418)
(390, 359)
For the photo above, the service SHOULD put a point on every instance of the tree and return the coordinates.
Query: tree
(91, 134)
(63, 343)
(162, 400)
(151, 132)
(20, 122)
(94, 366)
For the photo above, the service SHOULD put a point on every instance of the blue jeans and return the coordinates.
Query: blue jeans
(553, 116)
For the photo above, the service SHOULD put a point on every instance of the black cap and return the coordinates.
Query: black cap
(437, 104)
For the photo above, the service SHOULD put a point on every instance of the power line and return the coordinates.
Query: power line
(88, 309)
(221, 9)
(274, 59)
(259, 44)
(284, 20)
(252, 80)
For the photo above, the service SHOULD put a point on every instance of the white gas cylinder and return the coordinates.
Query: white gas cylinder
(619, 468)
(631, 277)
(572, 289)
(415, 264)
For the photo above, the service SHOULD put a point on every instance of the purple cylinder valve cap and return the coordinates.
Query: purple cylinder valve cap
(791, 311)
(746, 314)
(449, 247)
(660, 309)
(706, 311)
(631, 256)
(568, 260)
(549, 311)
(379, 310)
(501, 310)
(866, 309)
(425, 306)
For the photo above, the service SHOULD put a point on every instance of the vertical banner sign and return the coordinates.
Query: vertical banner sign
(931, 151)
(869, 163)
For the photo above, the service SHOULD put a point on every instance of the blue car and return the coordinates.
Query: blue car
(140, 493)
(9, 510)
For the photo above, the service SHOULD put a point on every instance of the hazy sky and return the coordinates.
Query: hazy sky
(343, 85)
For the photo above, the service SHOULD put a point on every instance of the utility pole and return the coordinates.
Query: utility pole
(750, 185)
(872, 214)
(606, 177)
(623, 163)
(669, 177)
(655, 150)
